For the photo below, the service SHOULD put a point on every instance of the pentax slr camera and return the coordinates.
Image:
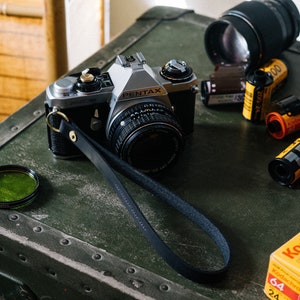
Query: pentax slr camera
(140, 113)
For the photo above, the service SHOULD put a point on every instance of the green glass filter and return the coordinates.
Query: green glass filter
(18, 186)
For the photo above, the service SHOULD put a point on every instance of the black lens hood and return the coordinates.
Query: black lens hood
(294, 15)
(267, 26)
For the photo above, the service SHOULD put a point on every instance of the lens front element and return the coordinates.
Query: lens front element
(235, 47)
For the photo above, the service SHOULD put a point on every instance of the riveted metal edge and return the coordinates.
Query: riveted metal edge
(88, 269)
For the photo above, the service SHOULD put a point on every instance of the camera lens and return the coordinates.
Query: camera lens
(147, 136)
(252, 32)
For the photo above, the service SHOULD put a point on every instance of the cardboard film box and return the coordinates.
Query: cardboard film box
(283, 277)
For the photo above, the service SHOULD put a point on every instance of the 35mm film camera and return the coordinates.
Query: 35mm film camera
(140, 113)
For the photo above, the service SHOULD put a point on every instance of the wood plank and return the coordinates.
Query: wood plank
(22, 56)
(3, 116)
(22, 25)
(21, 67)
(21, 89)
(20, 44)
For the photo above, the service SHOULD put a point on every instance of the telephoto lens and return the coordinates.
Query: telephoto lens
(252, 32)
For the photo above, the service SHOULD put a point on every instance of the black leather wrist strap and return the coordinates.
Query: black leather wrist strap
(102, 159)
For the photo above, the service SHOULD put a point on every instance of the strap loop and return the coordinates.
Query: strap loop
(55, 112)
(101, 158)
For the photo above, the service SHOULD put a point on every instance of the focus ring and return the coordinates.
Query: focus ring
(137, 124)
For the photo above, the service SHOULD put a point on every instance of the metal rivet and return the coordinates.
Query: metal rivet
(130, 270)
(37, 229)
(97, 256)
(73, 136)
(22, 257)
(87, 289)
(51, 272)
(164, 287)
(65, 242)
(101, 63)
(14, 128)
(13, 217)
(37, 113)
(117, 50)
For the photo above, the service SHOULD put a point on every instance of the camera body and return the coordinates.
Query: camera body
(140, 113)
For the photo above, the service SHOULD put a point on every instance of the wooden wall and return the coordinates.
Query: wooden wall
(22, 56)
(33, 46)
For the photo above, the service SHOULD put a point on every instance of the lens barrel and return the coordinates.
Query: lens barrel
(147, 136)
(252, 32)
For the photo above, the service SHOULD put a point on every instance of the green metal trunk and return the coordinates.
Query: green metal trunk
(77, 241)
